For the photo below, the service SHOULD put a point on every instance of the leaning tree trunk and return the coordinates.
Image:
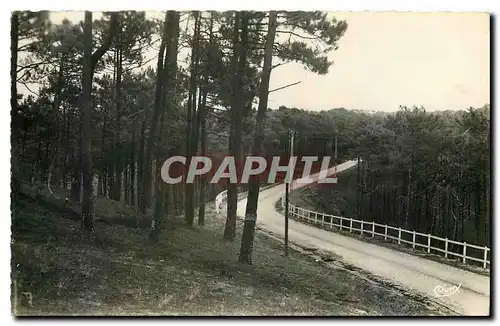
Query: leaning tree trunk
(254, 182)
(89, 63)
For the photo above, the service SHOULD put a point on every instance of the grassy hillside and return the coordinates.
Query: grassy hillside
(190, 271)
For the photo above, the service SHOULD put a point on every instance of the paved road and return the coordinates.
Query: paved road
(411, 272)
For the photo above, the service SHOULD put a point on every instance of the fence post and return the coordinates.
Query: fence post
(322, 219)
(429, 243)
(373, 229)
(399, 236)
(485, 256)
(331, 222)
(341, 222)
(413, 239)
(445, 247)
(350, 225)
(464, 253)
(361, 227)
(385, 233)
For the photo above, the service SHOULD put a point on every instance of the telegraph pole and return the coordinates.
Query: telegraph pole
(289, 150)
(287, 191)
(292, 143)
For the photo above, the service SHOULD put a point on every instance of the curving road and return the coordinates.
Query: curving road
(411, 272)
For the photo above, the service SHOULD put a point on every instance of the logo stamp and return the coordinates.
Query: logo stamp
(445, 291)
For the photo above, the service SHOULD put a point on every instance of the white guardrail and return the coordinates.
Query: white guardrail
(222, 196)
(371, 228)
(219, 199)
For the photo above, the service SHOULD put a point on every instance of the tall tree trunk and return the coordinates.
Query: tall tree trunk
(141, 169)
(165, 82)
(203, 127)
(132, 170)
(191, 118)
(103, 158)
(86, 168)
(126, 187)
(55, 143)
(100, 184)
(155, 227)
(203, 145)
(117, 159)
(14, 39)
(254, 182)
(89, 63)
(111, 179)
(148, 160)
(76, 173)
(238, 63)
(194, 146)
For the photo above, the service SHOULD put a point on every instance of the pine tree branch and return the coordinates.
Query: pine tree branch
(286, 86)
(315, 37)
(97, 55)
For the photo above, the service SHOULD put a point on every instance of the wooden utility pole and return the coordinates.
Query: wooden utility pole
(292, 135)
(287, 187)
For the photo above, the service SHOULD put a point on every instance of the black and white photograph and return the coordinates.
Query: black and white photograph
(250, 163)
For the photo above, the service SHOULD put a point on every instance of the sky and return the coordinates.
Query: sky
(386, 59)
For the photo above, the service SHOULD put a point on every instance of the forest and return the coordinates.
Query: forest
(418, 170)
(106, 100)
